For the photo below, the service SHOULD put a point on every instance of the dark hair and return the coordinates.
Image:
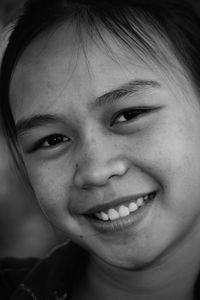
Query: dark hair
(132, 22)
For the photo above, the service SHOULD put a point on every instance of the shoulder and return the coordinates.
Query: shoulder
(12, 273)
(49, 278)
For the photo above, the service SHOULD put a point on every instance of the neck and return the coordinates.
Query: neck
(172, 277)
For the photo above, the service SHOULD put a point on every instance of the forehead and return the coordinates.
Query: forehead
(58, 65)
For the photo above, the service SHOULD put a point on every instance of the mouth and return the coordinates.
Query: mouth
(120, 213)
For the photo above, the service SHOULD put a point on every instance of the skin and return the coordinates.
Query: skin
(95, 162)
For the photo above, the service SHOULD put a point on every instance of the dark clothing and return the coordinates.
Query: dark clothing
(52, 278)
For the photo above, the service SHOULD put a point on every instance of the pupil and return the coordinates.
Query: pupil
(129, 115)
(55, 140)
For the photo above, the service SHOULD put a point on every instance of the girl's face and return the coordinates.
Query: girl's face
(111, 147)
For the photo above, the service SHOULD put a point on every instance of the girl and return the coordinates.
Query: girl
(100, 106)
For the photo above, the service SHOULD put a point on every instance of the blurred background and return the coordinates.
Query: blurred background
(23, 229)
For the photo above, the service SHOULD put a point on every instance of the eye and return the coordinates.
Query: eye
(51, 141)
(130, 115)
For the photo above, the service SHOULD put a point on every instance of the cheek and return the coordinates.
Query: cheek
(180, 175)
(52, 191)
(170, 154)
(51, 186)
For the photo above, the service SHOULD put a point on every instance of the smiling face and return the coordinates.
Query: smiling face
(98, 136)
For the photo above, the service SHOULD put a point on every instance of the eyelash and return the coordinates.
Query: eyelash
(134, 113)
(40, 143)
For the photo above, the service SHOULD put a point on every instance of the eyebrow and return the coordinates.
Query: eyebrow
(131, 87)
(26, 124)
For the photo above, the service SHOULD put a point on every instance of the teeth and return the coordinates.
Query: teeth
(103, 216)
(133, 206)
(113, 214)
(124, 211)
(140, 201)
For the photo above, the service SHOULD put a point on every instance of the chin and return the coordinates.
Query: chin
(136, 260)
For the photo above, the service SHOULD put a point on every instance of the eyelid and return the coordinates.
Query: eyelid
(38, 144)
(142, 110)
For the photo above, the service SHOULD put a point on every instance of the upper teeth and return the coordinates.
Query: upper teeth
(122, 210)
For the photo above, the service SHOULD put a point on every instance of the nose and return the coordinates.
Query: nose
(98, 166)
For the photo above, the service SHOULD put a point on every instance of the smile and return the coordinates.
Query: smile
(124, 210)
(122, 213)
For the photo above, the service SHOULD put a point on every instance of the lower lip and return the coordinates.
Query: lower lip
(123, 223)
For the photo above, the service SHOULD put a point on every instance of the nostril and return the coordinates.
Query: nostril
(86, 187)
(87, 180)
(99, 174)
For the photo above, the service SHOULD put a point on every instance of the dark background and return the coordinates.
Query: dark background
(23, 229)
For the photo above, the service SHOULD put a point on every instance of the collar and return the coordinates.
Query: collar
(55, 276)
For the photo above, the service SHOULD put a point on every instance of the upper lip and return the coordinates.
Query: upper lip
(114, 203)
